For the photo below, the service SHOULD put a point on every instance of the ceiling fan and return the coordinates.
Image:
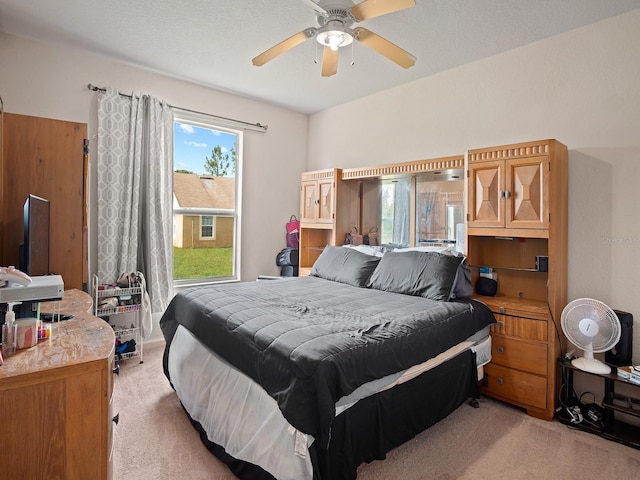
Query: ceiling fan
(335, 18)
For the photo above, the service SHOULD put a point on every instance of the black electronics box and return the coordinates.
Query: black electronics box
(542, 263)
(620, 355)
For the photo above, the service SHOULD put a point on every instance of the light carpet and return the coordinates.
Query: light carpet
(154, 440)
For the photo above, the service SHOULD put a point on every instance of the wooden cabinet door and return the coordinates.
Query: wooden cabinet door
(309, 201)
(527, 187)
(317, 201)
(511, 193)
(46, 157)
(486, 187)
(325, 201)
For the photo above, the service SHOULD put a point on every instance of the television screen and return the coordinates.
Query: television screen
(34, 253)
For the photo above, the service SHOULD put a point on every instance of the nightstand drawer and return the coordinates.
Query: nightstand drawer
(515, 386)
(520, 354)
(520, 327)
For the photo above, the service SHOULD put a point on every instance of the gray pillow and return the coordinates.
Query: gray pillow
(425, 274)
(344, 265)
(462, 287)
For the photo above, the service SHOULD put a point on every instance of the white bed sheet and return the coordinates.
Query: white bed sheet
(239, 415)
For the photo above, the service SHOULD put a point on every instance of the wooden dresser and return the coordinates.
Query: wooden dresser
(516, 213)
(56, 401)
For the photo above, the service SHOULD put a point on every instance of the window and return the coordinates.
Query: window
(206, 200)
(206, 227)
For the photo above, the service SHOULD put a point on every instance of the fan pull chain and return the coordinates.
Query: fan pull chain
(353, 62)
(315, 60)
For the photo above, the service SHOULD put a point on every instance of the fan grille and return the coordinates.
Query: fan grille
(582, 317)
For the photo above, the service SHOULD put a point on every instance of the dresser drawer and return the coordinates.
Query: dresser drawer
(520, 327)
(515, 386)
(525, 355)
(516, 307)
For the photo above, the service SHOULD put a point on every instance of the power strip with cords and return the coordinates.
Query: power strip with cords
(575, 413)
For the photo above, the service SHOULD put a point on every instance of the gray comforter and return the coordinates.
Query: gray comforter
(310, 341)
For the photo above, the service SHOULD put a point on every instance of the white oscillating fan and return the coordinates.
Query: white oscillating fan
(594, 327)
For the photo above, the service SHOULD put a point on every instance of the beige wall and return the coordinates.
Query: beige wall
(581, 87)
(50, 81)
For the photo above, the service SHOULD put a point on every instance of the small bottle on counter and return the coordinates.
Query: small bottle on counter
(9, 332)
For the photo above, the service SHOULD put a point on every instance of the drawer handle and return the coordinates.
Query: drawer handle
(501, 324)
(116, 419)
(500, 380)
(501, 310)
(500, 349)
(117, 369)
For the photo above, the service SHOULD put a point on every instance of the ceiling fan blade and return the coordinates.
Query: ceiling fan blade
(329, 62)
(384, 47)
(283, 46)
(315, 6)
(375, 8)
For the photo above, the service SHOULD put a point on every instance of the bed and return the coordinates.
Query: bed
(306, 378)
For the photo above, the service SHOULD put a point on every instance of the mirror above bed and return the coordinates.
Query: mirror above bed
(413, 209)
(403, 204)
(439, 207)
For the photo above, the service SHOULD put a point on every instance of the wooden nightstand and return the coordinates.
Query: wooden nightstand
(522, 368)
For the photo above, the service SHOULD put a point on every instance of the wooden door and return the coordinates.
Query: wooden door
(527, 203)
(485, 188)
(46, 157)
(325, 205)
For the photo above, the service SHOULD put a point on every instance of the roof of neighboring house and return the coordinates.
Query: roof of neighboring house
(204, 191)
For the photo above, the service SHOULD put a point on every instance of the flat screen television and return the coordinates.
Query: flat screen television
(34, 252)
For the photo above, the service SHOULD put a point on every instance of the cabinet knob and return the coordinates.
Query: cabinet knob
(499, 380)
(501, 324)
(116, 419)
(500, 349)
(501, 310)
(116, 370)
(507, 194)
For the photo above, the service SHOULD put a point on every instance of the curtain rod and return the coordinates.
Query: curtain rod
(254, 126)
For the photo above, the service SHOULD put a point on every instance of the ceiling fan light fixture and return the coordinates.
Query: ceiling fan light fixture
(334, 37)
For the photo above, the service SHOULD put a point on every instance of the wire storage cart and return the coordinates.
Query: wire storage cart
(121, 308)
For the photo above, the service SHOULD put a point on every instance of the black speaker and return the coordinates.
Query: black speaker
(621, 354)
(486, 286)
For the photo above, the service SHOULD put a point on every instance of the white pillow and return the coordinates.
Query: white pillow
(376, 251)
(448, 250)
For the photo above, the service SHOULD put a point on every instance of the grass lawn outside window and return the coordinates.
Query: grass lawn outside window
(192, 263)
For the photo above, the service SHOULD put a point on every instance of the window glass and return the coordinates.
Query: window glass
(206, 226)
(206, 186)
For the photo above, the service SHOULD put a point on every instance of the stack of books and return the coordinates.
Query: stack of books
(631, 373)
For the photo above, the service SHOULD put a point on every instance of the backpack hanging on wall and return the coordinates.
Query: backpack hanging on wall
(293, 232)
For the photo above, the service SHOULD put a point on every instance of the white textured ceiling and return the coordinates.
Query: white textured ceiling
(212, 42)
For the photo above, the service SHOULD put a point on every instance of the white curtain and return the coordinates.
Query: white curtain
(135, 192)
(401, 213)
